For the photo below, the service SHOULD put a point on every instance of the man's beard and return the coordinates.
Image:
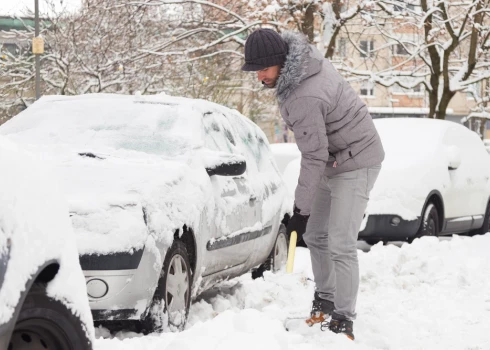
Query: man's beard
(270, 86)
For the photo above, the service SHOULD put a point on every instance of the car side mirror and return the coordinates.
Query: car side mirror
(233, 168)
(454, 157)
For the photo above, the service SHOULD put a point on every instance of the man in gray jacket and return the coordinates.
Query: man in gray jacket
(341, 155)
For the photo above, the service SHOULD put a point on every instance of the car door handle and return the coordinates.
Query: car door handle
(253, 198)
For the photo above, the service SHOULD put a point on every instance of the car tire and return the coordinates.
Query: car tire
(278, 256)
(486, 224)
(172, 299)
(46, 323)
(430, 222)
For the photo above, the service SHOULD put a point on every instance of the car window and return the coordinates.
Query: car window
(253, 142)
(218, 135)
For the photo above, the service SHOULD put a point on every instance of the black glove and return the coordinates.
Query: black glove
(297, 223)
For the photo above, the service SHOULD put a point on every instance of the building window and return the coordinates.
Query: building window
(399, 50)
(367, 48)
(367, 88)
(342, 47)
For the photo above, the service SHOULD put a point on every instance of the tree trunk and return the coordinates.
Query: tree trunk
(446, 97)
(336, 7)
(331, 45)
(433, 97)
(309, 22)
(483, 123)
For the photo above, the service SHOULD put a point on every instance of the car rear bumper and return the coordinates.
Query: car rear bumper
(121, 287)
(383, 227)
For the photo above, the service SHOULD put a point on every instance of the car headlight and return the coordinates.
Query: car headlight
(395, 221)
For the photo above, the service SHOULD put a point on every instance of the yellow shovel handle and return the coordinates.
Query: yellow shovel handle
(292, 250)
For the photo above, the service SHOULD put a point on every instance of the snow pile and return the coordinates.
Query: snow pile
(428, 294)
(34, 218)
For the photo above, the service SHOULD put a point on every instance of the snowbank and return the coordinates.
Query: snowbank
(430, 294)
(34, 216)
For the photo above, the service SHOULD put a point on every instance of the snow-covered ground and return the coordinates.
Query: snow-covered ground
(430, 294)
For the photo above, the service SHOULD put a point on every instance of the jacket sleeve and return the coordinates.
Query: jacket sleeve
(305, 117)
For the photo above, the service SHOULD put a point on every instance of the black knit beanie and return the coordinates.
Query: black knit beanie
(264, 48)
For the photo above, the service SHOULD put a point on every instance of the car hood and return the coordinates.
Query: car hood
(404, 183)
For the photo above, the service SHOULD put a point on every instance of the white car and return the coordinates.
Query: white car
(43, 301)
(284, 153)
(433, 181)
(167, 195)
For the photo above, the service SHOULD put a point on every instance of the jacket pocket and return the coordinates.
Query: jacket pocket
(343, 155)
(307, 138)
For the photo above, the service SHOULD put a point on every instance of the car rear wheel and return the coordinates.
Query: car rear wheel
(278, 257)
(430, 222)
(171, 302)
(45, 323)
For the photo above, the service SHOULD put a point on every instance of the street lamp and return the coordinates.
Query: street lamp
(37, 47)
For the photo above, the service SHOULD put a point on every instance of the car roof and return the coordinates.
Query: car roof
(152, 124)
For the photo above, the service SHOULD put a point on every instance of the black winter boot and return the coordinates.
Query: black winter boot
(321, 310)
(342, 326)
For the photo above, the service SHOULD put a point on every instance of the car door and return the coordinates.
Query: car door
(265, 180)
(231, 240)
(466, 197)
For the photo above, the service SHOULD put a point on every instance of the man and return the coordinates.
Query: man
(341, 155)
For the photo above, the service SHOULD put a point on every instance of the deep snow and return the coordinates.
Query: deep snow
(430, 294)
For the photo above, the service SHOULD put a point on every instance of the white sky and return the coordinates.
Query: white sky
(22, 7)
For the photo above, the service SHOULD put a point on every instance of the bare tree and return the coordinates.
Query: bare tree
(444, 44)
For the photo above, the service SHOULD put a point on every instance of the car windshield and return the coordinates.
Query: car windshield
(156, 126)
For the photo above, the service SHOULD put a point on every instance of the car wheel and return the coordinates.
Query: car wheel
(171, 302)
(279, 254)
(45, 323)
(430, 222)
(278, 257)
(486, 224)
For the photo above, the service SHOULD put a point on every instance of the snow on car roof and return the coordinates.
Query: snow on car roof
(410, 140)
(161, 125)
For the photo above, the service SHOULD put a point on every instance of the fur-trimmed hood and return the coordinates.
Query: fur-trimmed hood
(296, 68)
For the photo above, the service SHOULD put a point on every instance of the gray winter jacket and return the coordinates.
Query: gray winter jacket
(332, 126)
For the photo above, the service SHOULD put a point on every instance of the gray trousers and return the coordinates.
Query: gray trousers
(331, 236)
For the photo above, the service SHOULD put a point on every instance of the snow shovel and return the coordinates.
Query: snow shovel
(292, 250)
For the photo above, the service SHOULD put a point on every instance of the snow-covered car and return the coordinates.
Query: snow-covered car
(43, 300)
(486, 142)
(433, 181)
(284, 153)
(167, 195)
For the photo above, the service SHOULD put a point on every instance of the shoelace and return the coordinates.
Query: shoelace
(324, 325)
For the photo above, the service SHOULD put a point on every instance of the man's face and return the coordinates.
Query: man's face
(268, 76)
